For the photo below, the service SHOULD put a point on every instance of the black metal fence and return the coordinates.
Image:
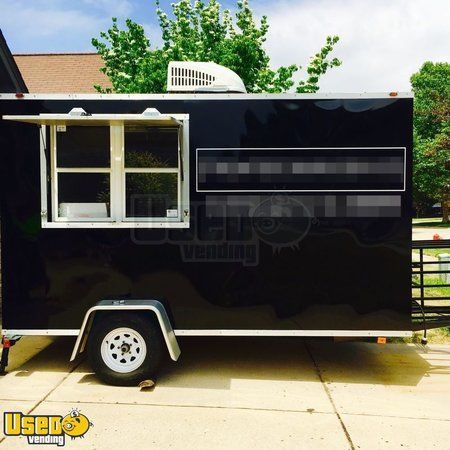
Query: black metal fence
(430, 284)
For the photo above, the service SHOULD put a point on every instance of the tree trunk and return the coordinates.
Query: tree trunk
(445, 206)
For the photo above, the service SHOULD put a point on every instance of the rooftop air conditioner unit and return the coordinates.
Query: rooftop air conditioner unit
(190, 76)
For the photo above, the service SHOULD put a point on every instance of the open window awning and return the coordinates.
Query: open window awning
(77, 116)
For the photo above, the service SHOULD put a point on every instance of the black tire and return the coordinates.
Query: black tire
(150, 331)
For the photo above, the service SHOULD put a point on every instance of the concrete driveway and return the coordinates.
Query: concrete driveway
(427, 233)
(247, 393)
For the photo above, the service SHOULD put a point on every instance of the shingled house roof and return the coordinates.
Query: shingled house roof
(62, 72)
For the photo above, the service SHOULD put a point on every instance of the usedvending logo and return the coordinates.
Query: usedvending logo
(46, 429)
(270, 226)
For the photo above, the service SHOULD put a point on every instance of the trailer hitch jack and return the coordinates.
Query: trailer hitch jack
(7, 343)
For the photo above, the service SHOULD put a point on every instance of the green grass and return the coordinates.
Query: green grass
(426, 219)
(433, 251)
(434, 336)
(439, 335)
(433, 222)
(443, 291)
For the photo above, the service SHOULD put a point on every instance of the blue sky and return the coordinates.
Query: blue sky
(382, 41)
(32, 26)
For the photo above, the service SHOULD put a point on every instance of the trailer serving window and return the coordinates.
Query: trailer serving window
(121, 170)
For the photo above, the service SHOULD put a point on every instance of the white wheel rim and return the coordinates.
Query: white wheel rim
(123, 350)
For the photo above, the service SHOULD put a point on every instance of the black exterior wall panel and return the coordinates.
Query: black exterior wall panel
(335, 265)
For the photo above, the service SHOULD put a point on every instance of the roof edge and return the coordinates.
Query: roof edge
(209, 96)
(11, 67)
(56, 54)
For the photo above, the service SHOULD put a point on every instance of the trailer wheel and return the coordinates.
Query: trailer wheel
(125, 348)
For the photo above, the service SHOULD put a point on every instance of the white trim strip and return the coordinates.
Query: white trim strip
(117, 163)
(112, 224)
(53, 176)
(83, 169)
(324, 333)
(342, 333)
(43, 166)
(95, 119)
(49, 332)
(286, 96)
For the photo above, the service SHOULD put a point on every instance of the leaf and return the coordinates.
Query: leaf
(147, 385)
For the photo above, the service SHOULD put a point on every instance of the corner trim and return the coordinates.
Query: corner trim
(305, 333)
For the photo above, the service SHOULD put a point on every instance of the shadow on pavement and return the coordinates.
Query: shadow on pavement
(211, 363)
(53, 358)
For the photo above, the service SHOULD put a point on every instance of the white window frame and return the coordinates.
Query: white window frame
(127, 170)
(55, 171)
(117, 173)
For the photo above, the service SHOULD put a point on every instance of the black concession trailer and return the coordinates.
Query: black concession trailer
(130, 220)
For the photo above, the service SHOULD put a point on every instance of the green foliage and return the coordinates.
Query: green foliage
(150, 192)
(431, 87)
(203, 32)
(128, 59)
(152, 185)
(149, 183)
(144, 186)
(319, 65)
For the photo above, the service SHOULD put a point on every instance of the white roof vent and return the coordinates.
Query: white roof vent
(151, 112)
(78, 112)
(190, 76)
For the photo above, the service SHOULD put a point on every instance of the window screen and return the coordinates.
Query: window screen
(151, 146)
(151, 194)
(81, 146)
(151, 172)
(82, 173)
(84, 195)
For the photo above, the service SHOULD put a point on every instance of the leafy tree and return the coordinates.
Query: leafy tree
(203, 32)
(431, 87)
